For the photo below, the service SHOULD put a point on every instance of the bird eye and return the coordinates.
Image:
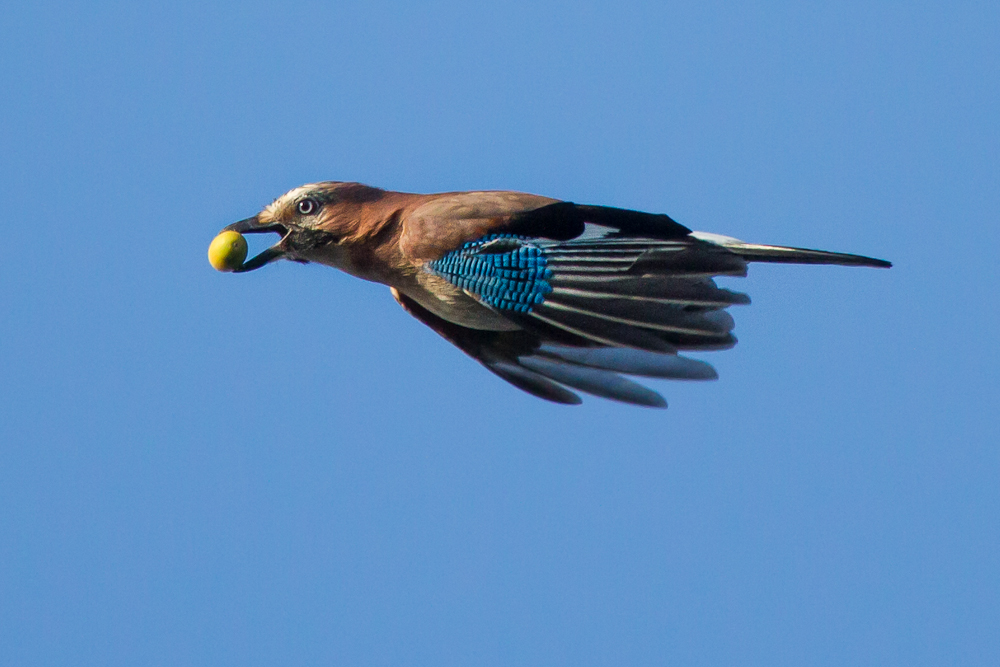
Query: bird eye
(307, 207)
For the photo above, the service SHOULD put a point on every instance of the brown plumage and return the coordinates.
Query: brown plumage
(548, 295)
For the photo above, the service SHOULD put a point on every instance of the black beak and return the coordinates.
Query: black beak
(254, 226)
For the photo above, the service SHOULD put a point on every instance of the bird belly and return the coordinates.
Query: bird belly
(432, 292)
(454, 304)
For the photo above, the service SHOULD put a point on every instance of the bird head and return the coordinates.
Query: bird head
(311, 219)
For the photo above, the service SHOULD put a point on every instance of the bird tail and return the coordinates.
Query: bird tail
(755, 252)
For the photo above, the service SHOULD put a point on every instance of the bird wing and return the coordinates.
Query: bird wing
(599, 292)
(609, 276)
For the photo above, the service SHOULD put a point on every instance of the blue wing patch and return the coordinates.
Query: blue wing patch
(504, 270)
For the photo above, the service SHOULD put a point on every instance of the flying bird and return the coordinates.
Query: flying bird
(549, 295)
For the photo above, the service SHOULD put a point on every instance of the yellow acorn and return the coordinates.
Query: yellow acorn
(227, 251)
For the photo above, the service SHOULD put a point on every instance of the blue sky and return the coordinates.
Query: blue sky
(284, 468)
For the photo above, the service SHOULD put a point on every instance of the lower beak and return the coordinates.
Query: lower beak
(255, 226)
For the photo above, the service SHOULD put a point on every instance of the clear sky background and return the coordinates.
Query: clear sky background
(283, 468)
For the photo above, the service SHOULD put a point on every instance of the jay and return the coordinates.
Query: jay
(549, 295)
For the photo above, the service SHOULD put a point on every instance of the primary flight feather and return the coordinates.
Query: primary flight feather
(549, 295)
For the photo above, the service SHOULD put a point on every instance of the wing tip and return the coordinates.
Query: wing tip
(659, 405)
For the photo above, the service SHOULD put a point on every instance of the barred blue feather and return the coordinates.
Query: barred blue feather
(503, 270)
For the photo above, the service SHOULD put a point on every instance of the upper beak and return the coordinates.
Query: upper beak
(255, 226)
